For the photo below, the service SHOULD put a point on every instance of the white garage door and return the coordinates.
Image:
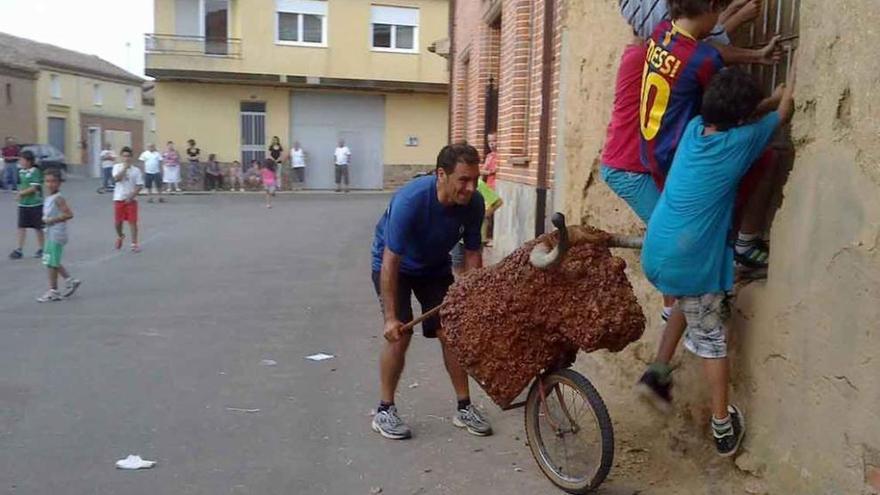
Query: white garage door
(319, 120)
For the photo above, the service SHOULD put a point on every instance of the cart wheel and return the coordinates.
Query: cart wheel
(570, 433)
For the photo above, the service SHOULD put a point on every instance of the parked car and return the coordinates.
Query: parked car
(47, 156)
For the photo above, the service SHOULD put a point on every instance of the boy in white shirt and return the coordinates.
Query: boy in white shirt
(298, 163)
(341, 157)
(129, 182)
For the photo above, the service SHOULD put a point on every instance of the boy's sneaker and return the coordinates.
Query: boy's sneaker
(70, 287)
(119, 240)
(388, 424)
(655, 391)
(729, 437)
(754, 256)
(16, 254)
(51, 295)
(135, 248)
(38, 254)
(472, 419)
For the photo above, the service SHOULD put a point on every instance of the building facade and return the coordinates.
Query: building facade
(80, 102)
(505, 82)
(18, 86)
(232, 74)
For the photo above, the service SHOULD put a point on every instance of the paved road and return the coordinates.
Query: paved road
(160, 352)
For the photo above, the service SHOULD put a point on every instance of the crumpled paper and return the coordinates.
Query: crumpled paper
(134, 462)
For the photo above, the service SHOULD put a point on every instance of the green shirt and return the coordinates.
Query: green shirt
(490, 197)
(30, 178)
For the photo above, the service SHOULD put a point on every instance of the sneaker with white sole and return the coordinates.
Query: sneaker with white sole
(728, 440)
(70, 287)
(51, 295)
(473, 420)
(388, 424)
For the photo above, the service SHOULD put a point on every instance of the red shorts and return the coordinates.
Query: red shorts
(125, 212)
(750, 181)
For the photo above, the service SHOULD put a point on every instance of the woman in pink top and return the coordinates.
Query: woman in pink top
(268, 175)
(490, 164)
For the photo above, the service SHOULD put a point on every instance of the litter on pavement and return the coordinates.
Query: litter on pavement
(238, 409)
(134, 462)
(268, 362)
(319, 357)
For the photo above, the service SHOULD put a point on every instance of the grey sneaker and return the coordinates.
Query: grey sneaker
(472, 419)
(389, 425)
(70, 287)
(50, 296)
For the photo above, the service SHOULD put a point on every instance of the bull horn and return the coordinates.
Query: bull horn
(542, 257)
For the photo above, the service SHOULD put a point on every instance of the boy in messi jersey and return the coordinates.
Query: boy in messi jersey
(678, 67)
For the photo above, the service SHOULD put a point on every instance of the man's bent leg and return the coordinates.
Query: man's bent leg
(391, 363)
(457, 374)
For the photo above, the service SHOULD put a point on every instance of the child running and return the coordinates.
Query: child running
(30, 202)
(56, 213)
(687, 251)
(129, 182)
(268, 176)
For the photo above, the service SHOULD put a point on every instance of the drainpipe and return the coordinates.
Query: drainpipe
(546, 107)
(451, 62)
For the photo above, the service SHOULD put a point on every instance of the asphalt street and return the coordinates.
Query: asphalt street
(192, 353)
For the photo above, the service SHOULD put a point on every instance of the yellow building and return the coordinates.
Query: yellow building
(80, 102)
(232, 74)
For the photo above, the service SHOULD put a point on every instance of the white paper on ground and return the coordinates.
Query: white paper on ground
(319, 357)
(134, 462)
(268, 362)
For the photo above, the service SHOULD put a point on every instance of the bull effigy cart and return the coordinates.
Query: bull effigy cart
(524, 320)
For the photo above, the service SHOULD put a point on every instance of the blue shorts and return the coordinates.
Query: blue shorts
(638, 190)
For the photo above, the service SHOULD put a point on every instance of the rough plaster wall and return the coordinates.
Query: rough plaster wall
(515, 221)
(804, 344)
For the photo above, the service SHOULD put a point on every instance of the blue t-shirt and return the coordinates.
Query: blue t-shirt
(686, 251)
(422, 231)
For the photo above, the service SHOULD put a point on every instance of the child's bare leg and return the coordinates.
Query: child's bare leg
(718, 373)
(41, 239)
(63, 272)
(755, 214)
(21, 237)
(119, 232)
(675, 328)
(133, 226)
(53, 278)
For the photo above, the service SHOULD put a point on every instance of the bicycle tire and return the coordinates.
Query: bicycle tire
(600, 413)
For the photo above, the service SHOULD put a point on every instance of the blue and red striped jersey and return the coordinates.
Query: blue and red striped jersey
(678, 68)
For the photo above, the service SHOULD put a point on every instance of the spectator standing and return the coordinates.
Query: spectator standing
(194, 156)
(490, 164)
(108, 159)
(235, 177)
(276, 152)
(153, 171)
(298, 163)
(171, 168)
(129, 181)
(30, 204)
(342, 158)
(10, 161)
(213, 174)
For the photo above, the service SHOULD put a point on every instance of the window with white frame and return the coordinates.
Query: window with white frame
(395, 29)
(301, 22)
(55, 86)
(152, 121)
(129, 98)
(97, 95)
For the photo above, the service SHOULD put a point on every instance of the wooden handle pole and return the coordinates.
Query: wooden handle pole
(409, 326)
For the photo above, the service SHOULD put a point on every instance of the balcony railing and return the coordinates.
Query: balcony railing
(174, 44)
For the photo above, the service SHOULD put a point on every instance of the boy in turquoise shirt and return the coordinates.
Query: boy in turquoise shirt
(30, 204)
(687, 251)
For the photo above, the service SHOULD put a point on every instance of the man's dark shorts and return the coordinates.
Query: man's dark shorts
(30, 217)
(429, 291)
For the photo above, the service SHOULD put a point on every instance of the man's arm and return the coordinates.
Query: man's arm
(388, 282)
(120, 176)
(472, 260)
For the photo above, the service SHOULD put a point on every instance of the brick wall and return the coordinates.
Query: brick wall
(512, 54)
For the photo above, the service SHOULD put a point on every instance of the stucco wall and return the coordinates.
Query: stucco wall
(804, 342)
(348, 54)
(424, 116)
(17, 115)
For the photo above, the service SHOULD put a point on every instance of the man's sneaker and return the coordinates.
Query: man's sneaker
(388, 424)
(70, 287)
(16, 255)
(118, 243)
(51, 295)
(472, 419)
(728, 441)
(38, 254)
(655, 391)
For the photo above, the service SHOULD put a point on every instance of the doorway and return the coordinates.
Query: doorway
(58, 133)
(94, 144)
